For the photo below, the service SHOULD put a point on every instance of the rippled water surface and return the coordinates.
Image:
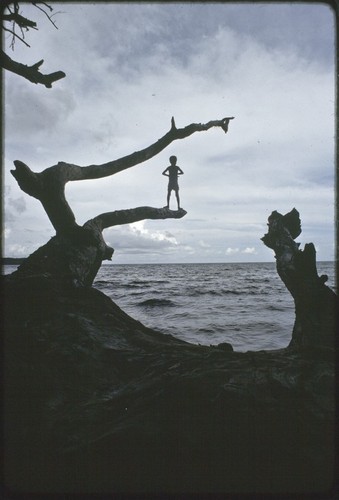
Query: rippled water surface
(244, 304)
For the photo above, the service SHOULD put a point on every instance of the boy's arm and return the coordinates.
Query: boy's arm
(164, 172)
(180, 172)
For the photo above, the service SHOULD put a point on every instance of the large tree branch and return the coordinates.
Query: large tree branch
(49, 186)
(76, 173)
(21, 21)
(74, 257)
(31, 73)
(130, 215)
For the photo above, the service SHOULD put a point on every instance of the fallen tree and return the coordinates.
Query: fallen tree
(97, 402)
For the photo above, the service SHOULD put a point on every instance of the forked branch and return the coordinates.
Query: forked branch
(49, 186)
(74, 257)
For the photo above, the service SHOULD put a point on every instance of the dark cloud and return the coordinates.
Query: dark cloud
(37, 112)
(9, 216)
(305, 28)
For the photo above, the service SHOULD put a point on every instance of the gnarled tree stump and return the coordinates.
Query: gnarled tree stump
(316, 305)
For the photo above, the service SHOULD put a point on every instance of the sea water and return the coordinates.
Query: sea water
(244, 304)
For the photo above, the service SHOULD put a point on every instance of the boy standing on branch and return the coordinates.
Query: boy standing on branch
(172, 172)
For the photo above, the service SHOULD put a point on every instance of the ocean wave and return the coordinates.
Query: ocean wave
(206, 330)
(271, 307)
(218, 292)
(156, 302)
(136, 284)
(101, 283)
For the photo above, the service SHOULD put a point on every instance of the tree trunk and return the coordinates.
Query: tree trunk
(73, 258)
(316, 305)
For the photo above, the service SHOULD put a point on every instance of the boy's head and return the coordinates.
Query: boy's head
(173, 160)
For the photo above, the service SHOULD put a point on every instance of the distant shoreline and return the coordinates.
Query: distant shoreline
(5, 261)
(8, 261)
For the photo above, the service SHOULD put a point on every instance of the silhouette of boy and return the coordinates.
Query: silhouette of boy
(172, 172)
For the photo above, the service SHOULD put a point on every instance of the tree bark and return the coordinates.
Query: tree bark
(316, 305)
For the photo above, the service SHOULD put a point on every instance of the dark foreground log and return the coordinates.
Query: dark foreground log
(97, 402)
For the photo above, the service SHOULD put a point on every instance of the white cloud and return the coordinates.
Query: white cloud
(203, 244)
(139, 229)
(250, 251)
(231, 251)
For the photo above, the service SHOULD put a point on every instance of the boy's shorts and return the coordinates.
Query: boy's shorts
(173, 185)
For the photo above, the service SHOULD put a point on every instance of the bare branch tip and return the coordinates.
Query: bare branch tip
(37, 65)
(225, 123)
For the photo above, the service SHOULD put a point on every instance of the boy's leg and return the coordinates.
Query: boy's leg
(177, 197)
(168, 197)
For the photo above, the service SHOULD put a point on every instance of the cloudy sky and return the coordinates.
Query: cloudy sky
(129, 68)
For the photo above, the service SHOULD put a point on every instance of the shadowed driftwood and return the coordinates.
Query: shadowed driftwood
(73, 257)
(95, 402)
(316, 305)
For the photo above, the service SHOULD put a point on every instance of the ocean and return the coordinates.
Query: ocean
(244, 304)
